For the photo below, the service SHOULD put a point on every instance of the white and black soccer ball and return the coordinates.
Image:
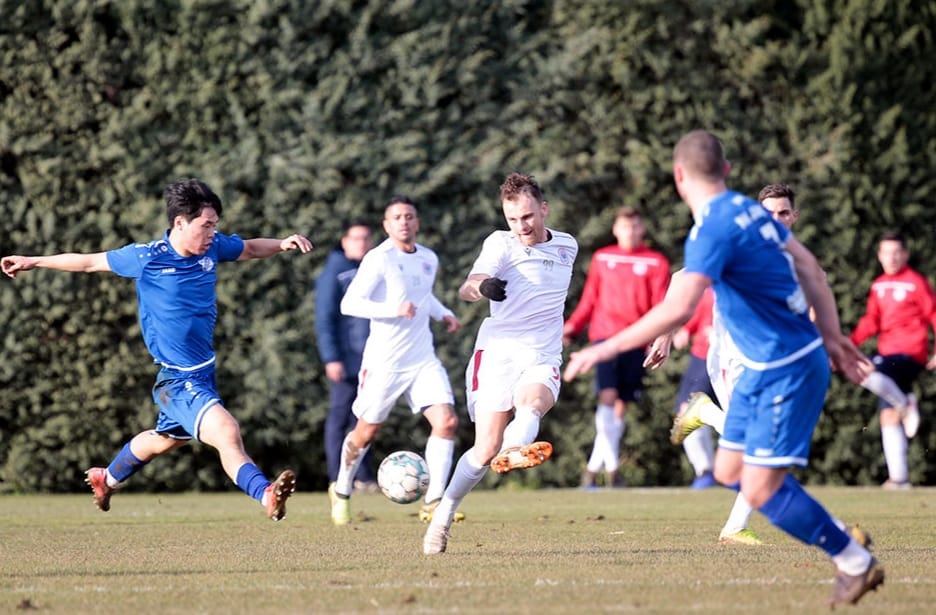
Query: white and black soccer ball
(403, 477)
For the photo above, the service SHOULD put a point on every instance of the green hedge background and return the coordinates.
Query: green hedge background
(302, 114)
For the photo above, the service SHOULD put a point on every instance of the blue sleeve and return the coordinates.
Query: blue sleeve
(128, 261)
(328, 314)
(230, 247)
(708, 248)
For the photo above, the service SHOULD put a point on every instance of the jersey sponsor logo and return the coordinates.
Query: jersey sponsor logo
(898, 290)
(640, 265)
(167, 270)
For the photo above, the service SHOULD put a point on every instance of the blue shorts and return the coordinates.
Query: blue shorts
(695, 380)
(902, 369)
(773, 413)
(624, 373)
(183, 399)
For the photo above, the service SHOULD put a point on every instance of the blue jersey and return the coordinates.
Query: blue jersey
(176, 296)
(737, 244)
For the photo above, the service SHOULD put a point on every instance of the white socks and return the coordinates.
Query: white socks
(348, 467)
(700, 451)
(607, 448)
(522, 429)
(738, 517)
(894, 442)
(713, 415)
(439, 453)
(468, 473)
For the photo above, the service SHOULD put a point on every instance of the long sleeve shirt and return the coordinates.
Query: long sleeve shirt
(622, 285)
(901, 308)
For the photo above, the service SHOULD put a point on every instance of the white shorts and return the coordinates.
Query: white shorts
(496, 372)
(724, 367)
(378, 390)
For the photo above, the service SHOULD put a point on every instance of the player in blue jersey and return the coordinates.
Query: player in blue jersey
(764, 281)
(175, 283)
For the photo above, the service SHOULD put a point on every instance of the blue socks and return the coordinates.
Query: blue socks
(125, 464)
(799, 515)
(252, 481)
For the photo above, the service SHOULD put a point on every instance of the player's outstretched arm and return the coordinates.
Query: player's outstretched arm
(265, 248)
(70, 261)
(676, 308)
(470, 290)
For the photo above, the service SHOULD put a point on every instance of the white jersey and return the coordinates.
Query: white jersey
(387, 278)
(537, 284)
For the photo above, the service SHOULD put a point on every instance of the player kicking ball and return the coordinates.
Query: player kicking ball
(514, 369)
(175, 281)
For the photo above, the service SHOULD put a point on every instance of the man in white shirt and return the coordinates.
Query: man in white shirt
(514, 369)
(393, 288)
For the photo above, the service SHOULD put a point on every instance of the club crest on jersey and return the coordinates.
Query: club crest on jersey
(427, 269)
(206, 263)
(565, 255)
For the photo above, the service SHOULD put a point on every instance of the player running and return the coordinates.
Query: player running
(393, 288)
(765, 282)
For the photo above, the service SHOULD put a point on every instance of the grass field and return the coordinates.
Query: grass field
(544, 552)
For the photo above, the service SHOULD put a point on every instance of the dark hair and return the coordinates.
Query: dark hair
(700, 153)
(894, 235)
(350, 224)
(628, 212)
(520, 183)
(188, 197)
(778, 191)
(398, 199)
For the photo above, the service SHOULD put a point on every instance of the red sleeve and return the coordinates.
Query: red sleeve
(929, 304)
(870, 323)
(583, 311)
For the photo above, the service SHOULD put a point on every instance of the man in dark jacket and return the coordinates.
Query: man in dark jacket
(340, 344)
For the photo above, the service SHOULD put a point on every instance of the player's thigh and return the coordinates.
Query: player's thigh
(628, 373)
(785, 405)
(490, 379)
(537, 388)
(378, 391)
(900, 368)
(429, 387)
(183, 403)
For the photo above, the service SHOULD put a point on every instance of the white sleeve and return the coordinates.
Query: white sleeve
(492, 253)
(437, 309)
(357, 300)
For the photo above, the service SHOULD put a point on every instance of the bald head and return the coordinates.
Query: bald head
(700, 154)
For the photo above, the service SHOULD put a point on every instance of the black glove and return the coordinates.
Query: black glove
(493, 289)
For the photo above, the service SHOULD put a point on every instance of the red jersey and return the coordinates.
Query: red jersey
(622, 285)
(901, 308)
(700, 325)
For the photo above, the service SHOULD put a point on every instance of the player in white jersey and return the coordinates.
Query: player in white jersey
(393, 288)
(514, 369)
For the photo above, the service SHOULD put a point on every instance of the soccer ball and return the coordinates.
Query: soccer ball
(403, 477)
